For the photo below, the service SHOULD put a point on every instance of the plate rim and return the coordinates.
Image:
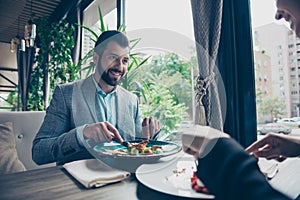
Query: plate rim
(138, 175)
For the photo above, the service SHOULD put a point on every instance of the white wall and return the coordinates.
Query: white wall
(7, 60)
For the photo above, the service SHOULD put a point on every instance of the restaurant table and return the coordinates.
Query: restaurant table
(57, 183)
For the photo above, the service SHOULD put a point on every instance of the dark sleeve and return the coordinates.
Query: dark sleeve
(231, 173)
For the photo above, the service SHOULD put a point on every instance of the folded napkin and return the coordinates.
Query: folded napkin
(94, 173)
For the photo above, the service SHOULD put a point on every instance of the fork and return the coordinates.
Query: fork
(271, 172)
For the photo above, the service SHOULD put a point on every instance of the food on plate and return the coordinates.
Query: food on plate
(179, 177)
(156, 147)
(138, 149)
(141, 148)
(197, 185)
(178, 172)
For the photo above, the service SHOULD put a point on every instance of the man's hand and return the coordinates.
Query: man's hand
(150, 127)
(102, 132)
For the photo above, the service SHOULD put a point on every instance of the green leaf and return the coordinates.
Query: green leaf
(144, 61)
(122, 28)
(90, 30)
(102, 24)
(135, 42)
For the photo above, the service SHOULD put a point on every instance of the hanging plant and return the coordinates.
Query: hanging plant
(36, 86)
(55, 43)
(61, 68)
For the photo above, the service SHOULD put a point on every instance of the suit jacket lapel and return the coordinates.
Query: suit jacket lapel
(124, 121)
(89, 94)
(119, 108)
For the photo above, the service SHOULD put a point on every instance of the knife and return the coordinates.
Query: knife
(155, 136)
(124, 143)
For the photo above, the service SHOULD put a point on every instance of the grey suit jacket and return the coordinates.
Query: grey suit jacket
(72, 106)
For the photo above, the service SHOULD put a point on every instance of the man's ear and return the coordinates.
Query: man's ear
(95, 58)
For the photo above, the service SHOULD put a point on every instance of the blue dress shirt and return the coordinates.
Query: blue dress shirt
(106, 112)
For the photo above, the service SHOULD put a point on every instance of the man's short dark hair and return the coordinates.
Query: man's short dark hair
(108, 36)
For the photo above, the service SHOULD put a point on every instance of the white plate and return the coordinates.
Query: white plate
(127, 162)
(106, 149)
(161, 177)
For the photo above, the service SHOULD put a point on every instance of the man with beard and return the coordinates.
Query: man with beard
(95, 108)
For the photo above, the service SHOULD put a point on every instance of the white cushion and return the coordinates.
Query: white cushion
(25, 126)
(9, 161)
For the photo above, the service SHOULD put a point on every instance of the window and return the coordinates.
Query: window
(292, 61)
(293, 77)
(265, 78)
(283, 47)
(169, 39)
(91, 20)
(294, 92)
(258, 61)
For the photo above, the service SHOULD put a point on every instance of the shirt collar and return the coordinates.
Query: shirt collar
(100, 91)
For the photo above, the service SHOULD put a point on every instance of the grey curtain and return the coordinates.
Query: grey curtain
(207, 18)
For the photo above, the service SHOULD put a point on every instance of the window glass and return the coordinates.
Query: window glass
(167, 37)
(281, 45)
(91, 20)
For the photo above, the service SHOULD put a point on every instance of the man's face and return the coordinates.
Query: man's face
(113, 63)
(290, 11)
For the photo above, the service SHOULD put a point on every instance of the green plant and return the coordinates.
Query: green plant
(36, 87)
(61, 67)
(168, 87)
(12, 99)
(130, 81)
(55, 45)
(272, 106)
(161, 104)
(182, 88)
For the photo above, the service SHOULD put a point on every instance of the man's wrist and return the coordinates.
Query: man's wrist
(79, 134)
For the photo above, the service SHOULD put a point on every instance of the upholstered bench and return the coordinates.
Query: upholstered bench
(24, 127)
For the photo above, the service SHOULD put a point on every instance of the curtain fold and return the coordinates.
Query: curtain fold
(207, 18)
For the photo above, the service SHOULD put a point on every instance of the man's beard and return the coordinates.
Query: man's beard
(110, 81)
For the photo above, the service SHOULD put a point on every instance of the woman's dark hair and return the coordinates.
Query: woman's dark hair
(108, 36)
